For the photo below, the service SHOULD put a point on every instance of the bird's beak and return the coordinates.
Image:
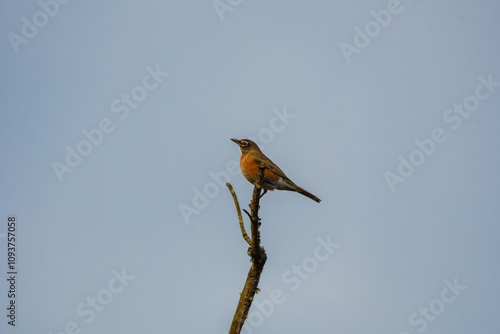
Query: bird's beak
(236, 141)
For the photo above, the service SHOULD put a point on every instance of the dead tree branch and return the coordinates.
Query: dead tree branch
(256, 252)
(238, 210)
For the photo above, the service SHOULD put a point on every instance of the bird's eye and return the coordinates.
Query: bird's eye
(244, 143)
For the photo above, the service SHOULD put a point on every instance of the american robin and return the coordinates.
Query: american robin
(274, 178)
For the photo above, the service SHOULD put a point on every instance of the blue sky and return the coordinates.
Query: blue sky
(115, 127)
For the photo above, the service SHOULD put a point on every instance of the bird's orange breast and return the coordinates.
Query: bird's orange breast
(249, 168)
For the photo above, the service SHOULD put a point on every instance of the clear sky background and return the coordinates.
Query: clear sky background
(391, 117)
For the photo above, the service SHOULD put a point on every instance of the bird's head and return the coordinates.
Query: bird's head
(246, 145)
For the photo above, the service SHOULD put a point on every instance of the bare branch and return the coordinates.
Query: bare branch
(238, 210)
(249, 217)
(258, 256)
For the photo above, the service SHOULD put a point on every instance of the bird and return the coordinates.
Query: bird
(274, 177)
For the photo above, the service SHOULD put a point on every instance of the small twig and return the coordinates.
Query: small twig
(249, 217)
(240, 218)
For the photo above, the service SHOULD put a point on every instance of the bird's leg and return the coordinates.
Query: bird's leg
(261, 195)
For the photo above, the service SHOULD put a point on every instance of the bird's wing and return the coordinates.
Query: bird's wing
(271, 166)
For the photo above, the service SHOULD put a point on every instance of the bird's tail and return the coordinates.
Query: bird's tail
(308, 194)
